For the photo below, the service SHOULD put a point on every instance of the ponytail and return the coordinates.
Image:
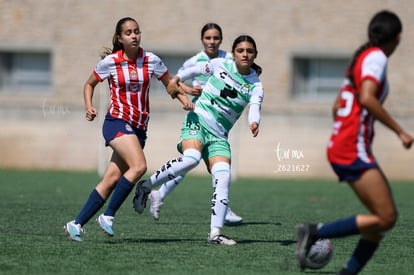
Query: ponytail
(350, 70)
(257, 68)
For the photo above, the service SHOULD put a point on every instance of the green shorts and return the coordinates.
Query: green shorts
(213, 146)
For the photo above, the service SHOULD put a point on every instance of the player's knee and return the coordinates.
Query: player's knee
(191, 158)
(138, 170)
(388, 221)
(111, 177)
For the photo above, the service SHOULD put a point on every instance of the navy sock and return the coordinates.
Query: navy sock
(92, 205)
(362, 253)
(339, 228)
(121, 192)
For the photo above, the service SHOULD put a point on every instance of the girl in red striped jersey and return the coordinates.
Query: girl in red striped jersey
(128, 69)
(358, 105)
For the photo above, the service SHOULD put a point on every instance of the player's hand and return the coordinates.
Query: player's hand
(406, 139)
(195, 91)
(173, 87)
(188, 106)
(254, 128)
(91, 113)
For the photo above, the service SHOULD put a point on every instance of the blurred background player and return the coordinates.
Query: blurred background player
(125, 124)
(357, 106)
(211, 38)
(232, 85)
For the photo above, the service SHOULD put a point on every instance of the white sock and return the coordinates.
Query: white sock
(176, 167)
(220, 200)
(215, 231)
(169, 186)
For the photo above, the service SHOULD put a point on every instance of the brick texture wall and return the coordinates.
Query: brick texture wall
(49, 131)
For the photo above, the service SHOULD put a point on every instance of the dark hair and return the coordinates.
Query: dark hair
(247, 38)
(116, 45)
(210, 26)
(384, 27)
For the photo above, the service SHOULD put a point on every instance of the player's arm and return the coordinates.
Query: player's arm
(177, 92)
(194, 91)
(255, 107)
(88, 90)
(370, 102)
(254, 119)
(174, 84)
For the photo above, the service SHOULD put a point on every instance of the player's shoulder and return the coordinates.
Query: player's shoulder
(374, 54)
(145, 53)
(224, 54)
(112, 56)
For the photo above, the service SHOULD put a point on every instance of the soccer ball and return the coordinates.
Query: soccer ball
(319, 254)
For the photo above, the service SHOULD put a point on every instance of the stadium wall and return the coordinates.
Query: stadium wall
(48, 130)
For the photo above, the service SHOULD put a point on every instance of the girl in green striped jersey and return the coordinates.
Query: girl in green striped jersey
(211, 39)
(231, 86)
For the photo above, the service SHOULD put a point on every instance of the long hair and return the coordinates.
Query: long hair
(384, 27)
(116, 45)
(247, 38)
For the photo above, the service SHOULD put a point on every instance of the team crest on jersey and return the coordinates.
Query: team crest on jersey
(128, 128)
(133, 75)
(245, 88)
(134, 87)
(206, 69)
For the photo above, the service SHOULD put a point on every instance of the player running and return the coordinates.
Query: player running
(211, 38)
(358, 105)
(128, 69)
(232, 85)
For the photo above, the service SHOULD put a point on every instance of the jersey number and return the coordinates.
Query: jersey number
(348, 98)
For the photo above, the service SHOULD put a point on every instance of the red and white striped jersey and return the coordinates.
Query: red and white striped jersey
(353, 129)
(129, 83)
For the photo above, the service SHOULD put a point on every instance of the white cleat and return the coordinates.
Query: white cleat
(231, 218)
(156, 203)
(220, 239)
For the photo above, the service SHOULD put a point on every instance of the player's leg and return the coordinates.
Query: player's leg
(157, 196)
(180, 166)
(129, 153)
(174, 168)
(221, 178)
(97, 198)
(231, 217)
(374, 192)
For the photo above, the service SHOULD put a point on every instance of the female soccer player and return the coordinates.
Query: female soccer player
(211, 38)
(358, 105)
(128, 69)
(232, 85)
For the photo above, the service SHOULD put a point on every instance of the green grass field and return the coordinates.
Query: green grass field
(35, 205)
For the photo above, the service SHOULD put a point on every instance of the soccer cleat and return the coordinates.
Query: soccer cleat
(305, 237)
(156, 204)
(141, 197)
(231, 218)
(74, 231)
(105, 223)
(220, 239)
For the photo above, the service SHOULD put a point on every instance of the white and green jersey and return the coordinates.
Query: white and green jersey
(202, 58)
(225, 95)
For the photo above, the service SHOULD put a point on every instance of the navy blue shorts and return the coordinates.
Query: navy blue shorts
(354, 171)
(116, 127)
